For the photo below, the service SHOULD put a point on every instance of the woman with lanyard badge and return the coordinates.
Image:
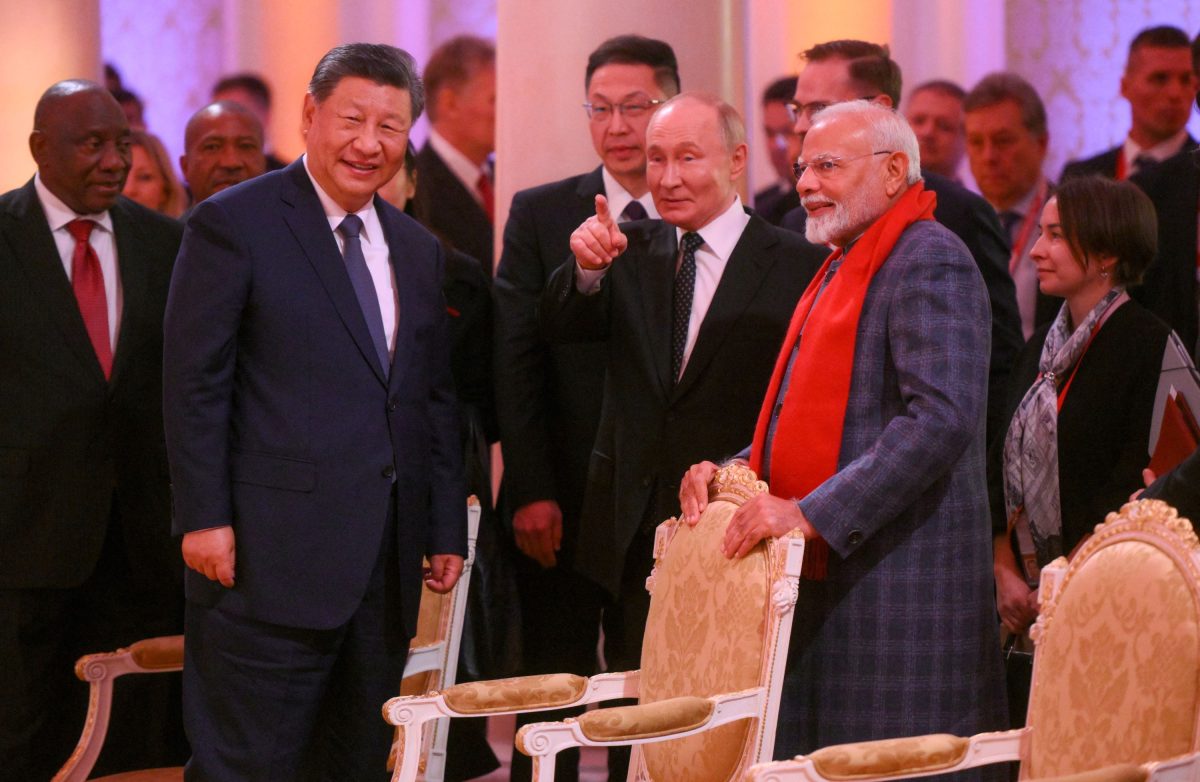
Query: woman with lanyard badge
(1081, 396)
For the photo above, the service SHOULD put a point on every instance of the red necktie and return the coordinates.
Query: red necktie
(484, 186)
(88, 282)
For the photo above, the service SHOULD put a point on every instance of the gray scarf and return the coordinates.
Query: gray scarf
(1031, 447)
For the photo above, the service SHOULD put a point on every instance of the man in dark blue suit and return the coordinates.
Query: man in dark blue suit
(313, 442)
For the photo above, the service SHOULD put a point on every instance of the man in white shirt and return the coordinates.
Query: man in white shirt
(454, 171)
(693, 309)
(87, 563)
(1160, 85)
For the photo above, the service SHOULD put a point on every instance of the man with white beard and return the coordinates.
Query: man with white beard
(871, 436)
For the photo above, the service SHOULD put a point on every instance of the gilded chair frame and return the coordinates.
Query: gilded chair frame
(1151, 522)
(733, 483)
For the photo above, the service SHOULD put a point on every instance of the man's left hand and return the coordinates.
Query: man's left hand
(763, 516)
(443, 572)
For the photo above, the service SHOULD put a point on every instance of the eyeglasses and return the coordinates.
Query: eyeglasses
(602, 112)
(796, 110)
(826, 166)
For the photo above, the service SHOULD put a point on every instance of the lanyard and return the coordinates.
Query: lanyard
(1032, 215)
(1112, 307)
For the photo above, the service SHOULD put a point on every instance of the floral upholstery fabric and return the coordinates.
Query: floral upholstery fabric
(705, 635)
(1124, 772)
(890, 756)
(157, 654)
(149, 775)
(1115, 677)
(521, 692)
(646, 720)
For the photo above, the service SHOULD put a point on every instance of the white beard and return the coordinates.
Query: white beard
(849, 218)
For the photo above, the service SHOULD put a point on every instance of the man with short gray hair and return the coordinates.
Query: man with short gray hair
(871, 437)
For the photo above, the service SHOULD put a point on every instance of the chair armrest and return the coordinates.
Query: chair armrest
(914, 756)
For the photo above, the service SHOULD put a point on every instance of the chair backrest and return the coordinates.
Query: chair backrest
(1116, 675)
(433, 652)
(717, 626)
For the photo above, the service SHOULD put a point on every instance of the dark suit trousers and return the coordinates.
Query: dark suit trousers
(42, 704)
(267, 702)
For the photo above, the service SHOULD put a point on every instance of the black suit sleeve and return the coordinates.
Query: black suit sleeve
(566, 315)
(1180, 487)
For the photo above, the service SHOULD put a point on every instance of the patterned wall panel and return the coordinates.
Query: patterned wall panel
(449, 18)
(1073, 52)
(169, 52)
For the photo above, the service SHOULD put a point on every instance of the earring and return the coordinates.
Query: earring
(1104, 273)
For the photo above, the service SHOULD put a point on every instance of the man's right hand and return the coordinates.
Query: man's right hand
(210, 552)
(537, 528)
(598, 240)
(693, 491)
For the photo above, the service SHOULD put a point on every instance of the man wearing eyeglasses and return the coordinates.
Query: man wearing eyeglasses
(548, 396)
(837, 71)
(693, 309)
(871, 438)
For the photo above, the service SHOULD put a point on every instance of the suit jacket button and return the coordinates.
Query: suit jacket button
(388, 472)
(392, 405)
(645, 481)
(855, 537)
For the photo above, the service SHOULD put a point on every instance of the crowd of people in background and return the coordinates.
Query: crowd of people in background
(994, 390)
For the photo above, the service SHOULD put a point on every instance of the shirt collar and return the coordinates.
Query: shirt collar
(722, 233)
(459, 164)
(619, 198)
(59, 214)
(1159, 152)
(372, 230)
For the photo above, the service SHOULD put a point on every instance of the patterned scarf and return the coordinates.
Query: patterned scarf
(1031, 447)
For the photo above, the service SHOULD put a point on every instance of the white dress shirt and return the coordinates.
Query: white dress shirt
(102, 241)
(1158, 152)
(720, 237)
(618, 197)
(375, 251)
(459, 164)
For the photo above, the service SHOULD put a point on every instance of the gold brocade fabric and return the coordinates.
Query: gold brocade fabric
(1125, 772)
(704, 636)
(890, 756)
(149, 775)
(646, 720)
(159, 653)
(430, 618)
(1115, 678)
(518, 693)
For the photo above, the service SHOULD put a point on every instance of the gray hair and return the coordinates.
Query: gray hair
(729, 121)
(884, 128)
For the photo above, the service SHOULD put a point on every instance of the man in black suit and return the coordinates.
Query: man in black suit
(693, 310)
(454, 171)
(547, 396)
(1160, 85)
(250, 91)
(837, 71)
(87, 563)
(783, 147)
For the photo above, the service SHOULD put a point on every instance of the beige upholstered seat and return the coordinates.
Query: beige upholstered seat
(1116, 678)
(712, 661)
(153, 655)
(433, 655)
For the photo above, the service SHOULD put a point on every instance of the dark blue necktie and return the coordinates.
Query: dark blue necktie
(364, 286)
(634, 211)
(681, 301)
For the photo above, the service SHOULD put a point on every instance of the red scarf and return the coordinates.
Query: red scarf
(808, 437)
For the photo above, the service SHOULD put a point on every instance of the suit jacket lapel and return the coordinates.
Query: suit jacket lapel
(743, 275)
(308, 224)
(656, 277)
(33, 247)
(590, 186)
(131, 264)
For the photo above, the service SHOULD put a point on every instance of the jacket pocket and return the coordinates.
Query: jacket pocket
(276, 472)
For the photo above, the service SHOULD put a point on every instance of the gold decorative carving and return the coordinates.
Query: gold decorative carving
(735, 482)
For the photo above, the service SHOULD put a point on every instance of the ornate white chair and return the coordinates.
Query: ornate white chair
(1116, 676)
(153, 655)
(712, 663)
(433, 654)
